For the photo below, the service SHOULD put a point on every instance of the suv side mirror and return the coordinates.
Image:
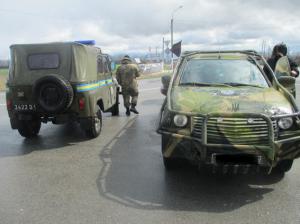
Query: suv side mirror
(165, 82)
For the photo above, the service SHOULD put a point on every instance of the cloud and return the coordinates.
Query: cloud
(135, 25)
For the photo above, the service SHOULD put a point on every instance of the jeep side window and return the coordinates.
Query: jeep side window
(106, 65)
(100, 67)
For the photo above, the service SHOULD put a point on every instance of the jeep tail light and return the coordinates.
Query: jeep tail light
(81, 104)
(9, 104)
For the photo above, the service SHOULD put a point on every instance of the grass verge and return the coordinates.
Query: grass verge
(3, 77)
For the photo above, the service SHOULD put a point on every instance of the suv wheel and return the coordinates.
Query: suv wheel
(115, 108)
(95, 125)
(284, 165)
(30, 128)
(169, 162)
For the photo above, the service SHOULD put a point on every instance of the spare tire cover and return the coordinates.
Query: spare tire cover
(53, 93)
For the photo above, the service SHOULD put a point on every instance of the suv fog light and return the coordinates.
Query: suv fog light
(285, 123)
(180, 120)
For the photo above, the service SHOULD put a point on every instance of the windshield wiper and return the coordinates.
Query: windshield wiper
(203, 84)
(241, 84)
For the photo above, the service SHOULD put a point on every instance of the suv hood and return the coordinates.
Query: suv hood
(204, 100)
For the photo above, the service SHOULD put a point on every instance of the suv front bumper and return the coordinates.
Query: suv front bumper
(272, 151)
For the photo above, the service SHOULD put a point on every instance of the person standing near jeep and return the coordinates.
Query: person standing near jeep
(126, 76)
(279, 51)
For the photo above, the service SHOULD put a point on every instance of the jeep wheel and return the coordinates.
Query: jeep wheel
(29, 129)
(53, 93)
(115, 108)
(284, 166)
(169, 162)
(95, 125)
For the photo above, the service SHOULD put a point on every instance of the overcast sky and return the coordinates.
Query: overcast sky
(134, 25)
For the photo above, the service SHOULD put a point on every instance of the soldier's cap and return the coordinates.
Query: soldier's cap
(126, 57)
(281, 47)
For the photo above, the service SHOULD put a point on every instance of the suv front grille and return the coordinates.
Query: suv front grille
(237, 131)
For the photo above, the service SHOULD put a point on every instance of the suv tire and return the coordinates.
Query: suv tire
(284, 166)
(54, 94)
(29, 128)
(169, 162)
(95, 125)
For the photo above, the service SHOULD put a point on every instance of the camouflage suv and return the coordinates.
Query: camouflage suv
(222, 110)
(59, 82)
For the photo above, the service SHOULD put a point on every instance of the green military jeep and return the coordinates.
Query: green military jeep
(60, 83)
(222, 110)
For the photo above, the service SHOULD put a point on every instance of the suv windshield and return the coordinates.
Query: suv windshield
(227, 72)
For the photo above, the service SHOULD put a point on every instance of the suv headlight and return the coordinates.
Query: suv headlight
(285, 123)
(180, 120)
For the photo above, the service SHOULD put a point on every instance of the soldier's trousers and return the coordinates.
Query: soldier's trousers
(130, 97)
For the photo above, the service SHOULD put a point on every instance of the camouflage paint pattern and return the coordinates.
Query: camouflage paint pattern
(126, 75)
(204, 100)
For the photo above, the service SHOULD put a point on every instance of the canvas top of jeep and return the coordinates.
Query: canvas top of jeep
(71, 60)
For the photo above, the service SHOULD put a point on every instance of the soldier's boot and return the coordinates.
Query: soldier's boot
(127, 111)
(133, 109)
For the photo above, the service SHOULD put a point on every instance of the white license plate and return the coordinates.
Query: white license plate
(25, 107)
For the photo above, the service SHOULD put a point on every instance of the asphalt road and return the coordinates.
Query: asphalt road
(62, 177)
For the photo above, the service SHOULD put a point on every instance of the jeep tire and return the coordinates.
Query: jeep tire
(29, 128)
(94, 125)
(54, 94)
(115, 108)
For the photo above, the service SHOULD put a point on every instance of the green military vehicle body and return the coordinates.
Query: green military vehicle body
(220, 109)
(59, 82)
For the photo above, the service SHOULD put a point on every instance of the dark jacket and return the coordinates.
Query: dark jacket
(272, 63)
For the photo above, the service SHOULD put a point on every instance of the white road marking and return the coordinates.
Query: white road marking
(107, 166)
(113, 142)
(121, 133)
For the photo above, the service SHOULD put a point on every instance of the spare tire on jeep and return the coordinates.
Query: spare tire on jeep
(54, 94)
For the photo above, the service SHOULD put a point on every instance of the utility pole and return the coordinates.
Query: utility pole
(172, 60)
(163, 52)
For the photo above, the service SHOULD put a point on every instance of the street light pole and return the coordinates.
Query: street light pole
(172, 63)
(172, 21)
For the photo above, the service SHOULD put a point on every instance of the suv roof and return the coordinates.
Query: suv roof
(247, 52)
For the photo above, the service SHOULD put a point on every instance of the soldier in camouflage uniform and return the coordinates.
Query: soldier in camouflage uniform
(126, 75)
